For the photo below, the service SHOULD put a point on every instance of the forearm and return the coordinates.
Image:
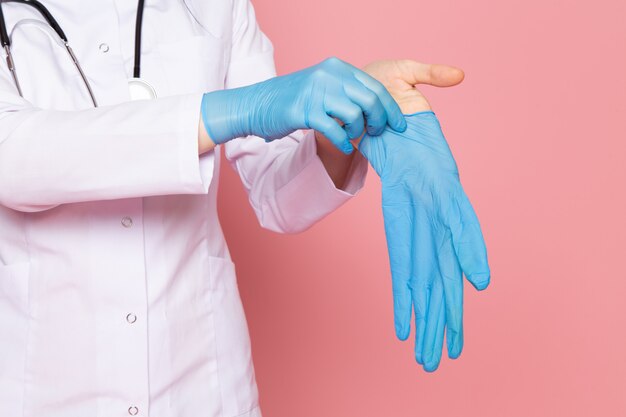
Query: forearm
(337, 163)
(51, 157)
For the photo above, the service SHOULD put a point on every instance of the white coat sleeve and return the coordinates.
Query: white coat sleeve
(287, 184)
(133, 149)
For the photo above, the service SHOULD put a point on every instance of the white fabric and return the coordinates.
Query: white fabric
(116, 285)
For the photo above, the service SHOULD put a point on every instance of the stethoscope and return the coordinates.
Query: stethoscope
(139, 88)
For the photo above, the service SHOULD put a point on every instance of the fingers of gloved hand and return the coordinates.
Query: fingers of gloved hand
(329, 127)
(452, 279)
(372, 107)
(421, 299)
(435, 324)
(423, 274)
(469, 244)
(398, 219)
(373, 149)
(349, 113)
(395, 118)
(401, 310)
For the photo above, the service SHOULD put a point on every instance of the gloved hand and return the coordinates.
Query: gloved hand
(310, 98)
(433, 235)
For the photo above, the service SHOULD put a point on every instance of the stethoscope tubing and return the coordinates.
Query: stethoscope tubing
(5, 41)
(4, 36)
(138, 27)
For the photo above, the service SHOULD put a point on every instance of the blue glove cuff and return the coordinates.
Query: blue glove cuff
(215, 118)
(225, 112)
(419, 112)
(204, 112)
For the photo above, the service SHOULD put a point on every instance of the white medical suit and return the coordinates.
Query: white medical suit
(117, 292)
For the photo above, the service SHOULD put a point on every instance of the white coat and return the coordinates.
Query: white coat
(117, 292)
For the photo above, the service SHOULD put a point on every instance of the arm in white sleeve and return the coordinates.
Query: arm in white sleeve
(287, 184)
(133, 149)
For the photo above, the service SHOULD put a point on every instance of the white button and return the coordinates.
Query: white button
(133, 411)
(131, 318)
(104, 48)
(127, 221)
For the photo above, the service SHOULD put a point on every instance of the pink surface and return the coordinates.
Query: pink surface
(537, 130)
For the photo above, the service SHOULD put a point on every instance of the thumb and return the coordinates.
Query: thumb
(437, 75)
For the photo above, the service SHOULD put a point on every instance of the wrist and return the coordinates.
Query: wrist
(205, 143)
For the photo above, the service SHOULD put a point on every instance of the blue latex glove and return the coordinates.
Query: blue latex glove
(310, 98)
(433, 235)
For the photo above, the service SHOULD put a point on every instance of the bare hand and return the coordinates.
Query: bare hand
(401, 78)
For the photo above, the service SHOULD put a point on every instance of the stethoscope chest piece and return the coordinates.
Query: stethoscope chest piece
(140, 89)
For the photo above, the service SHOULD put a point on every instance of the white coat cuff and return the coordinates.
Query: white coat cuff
(195, 170)
(311, 194)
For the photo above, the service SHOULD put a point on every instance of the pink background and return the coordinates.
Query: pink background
(537, 129)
